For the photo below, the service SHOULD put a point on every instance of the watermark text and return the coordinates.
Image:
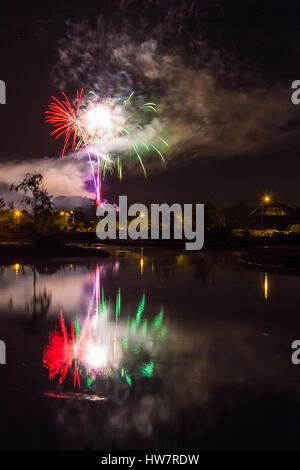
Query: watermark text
(2, 92)
(2, 352)
(161, 222)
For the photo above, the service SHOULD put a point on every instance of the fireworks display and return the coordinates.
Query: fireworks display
(107, 131)
(101, 345)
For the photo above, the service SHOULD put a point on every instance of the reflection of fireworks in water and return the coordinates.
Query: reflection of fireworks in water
(101, 123)
(60, 352)
(101, 346)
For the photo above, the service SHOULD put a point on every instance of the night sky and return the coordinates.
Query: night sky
(227, 93)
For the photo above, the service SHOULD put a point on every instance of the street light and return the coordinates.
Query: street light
(265, 200)
(17, 214)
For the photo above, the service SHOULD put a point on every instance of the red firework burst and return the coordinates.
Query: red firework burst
(65, 119)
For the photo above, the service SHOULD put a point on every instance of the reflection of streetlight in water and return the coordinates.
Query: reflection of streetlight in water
(142, 261)
(266, 286)
(17, 267)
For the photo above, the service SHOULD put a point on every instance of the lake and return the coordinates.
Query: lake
(148, 349)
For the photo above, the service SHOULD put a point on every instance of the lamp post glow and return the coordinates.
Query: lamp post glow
(17, 214)
(265, 200)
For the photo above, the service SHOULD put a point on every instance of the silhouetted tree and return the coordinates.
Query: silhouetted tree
(36, 196)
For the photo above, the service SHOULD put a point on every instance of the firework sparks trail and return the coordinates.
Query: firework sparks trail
(68, 121)
(94, 123)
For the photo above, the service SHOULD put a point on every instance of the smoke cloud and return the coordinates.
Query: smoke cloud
(210, 103)
(61, 176)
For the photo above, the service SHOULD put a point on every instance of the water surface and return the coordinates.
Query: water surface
(152, 349)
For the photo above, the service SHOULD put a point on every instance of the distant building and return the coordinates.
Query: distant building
(271, 215)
